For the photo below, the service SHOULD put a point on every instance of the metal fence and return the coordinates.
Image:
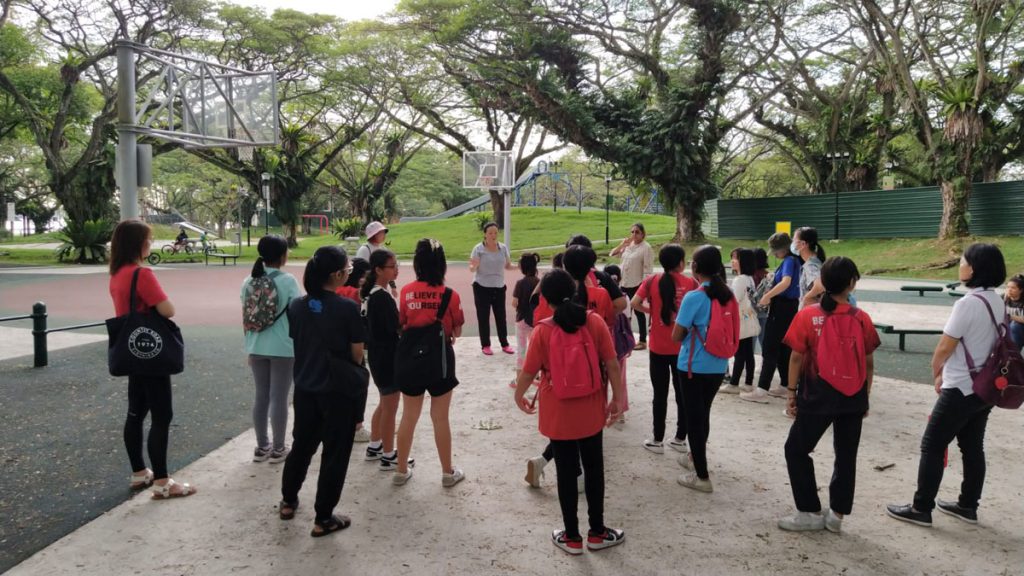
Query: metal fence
(995, 208)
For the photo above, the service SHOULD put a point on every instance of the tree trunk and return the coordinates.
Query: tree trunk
(498, 207)
(955, 194)
(687, 225)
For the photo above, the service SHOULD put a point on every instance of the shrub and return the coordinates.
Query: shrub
(345, 227)
(85, 242)
(482, 218)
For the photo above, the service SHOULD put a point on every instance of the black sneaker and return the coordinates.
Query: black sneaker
(907, 513)
(969, 515)
(374, 453)
(610, 537)
(390, 463)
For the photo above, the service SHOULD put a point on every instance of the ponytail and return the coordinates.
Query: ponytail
(557, 288)
(272, 250)
(670, 257)
(707, 262)
(258, 270)
(579, 261)
(836, 275)
(810, 235)
(378, 259)
(325, 261)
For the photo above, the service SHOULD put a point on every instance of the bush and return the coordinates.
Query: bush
(345, 227)
(85, 242)
(482, 218)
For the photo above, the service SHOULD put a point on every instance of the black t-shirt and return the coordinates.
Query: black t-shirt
(381, 320)
(321, 326)
(522, 292)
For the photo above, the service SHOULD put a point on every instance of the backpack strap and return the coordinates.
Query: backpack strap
(445, 299)
(967, 355)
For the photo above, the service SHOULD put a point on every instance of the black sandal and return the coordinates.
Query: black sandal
(286, 510)
(335, 523)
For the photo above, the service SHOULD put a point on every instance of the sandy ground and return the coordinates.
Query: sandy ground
(494, 524)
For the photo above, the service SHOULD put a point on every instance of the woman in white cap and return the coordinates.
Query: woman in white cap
(376, 233)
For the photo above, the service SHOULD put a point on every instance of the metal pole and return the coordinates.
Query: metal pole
(607, 205)
(127, 170)
(835, 226)
(266, 201)
(508, 218)
(39, 334)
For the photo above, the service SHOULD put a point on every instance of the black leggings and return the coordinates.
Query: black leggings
(774, 353)
(744, 360)
(698, 394)
(663, 370)
(152, 395)
(641, 318)
(488, 299)
(568, 454)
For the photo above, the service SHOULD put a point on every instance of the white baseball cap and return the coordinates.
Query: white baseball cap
(374, 228)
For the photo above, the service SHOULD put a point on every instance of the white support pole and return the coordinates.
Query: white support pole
(126, 160)
(508, 217)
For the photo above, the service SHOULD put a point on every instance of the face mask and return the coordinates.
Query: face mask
(793, 248)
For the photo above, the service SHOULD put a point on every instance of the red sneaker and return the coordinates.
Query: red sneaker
(507, 350)
(610, 537)
(572, 546)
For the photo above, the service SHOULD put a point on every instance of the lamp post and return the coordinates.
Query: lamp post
(265, 177)
(836, 158)
(607, 205)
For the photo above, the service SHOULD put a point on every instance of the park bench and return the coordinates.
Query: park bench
(902, 332)
(921, 289)
(223, 258)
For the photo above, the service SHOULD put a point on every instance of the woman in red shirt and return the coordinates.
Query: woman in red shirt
(129, 246)
(417, 306)
(659, 295)
(573, 425)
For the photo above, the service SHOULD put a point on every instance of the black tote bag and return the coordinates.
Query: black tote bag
(144, 343)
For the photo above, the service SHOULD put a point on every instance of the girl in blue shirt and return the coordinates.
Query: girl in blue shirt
(783, 301)
(705, 370)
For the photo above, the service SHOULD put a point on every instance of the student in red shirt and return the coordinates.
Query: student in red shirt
(659, 295)
(129, 246)
(818, 404)
(417, 306)
(574, 425)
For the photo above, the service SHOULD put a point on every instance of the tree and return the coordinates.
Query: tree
(79, 154)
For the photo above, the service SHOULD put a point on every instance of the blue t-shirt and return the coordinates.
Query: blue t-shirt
(695, 314)
(789, 267)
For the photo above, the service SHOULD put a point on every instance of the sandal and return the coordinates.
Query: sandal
(164, 492)
(335, 523)
(286, 510)
(141, 481)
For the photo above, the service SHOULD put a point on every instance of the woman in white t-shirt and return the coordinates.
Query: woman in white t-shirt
(488, 263)
(637, 264)
(959, 413)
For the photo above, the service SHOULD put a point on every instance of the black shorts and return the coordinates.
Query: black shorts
(437, 388)
(382, 368)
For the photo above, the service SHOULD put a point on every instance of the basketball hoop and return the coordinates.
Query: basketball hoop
(245, 153)
(485, 181)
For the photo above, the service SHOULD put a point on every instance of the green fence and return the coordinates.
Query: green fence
(996, 208)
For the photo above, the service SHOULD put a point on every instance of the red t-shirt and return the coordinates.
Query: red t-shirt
(418, 303)
(148, 292)
(805, 329)
(350, 292)
(574, 418)
(597, 301)
(660, 341)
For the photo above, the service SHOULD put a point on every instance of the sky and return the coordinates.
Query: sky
(345, 9)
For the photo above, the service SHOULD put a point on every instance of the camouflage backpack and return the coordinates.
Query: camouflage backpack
(259, 311)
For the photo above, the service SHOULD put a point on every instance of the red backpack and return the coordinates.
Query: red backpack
(723, 333)
(573, 364)
(839, 353)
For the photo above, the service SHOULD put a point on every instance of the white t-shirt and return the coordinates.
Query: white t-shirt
(366, 249)
(971, 324)
(637, 264)
(491, 271)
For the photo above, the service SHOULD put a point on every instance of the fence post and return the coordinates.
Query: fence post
(39, 334)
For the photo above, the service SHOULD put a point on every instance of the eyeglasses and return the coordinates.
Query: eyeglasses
(347, 270)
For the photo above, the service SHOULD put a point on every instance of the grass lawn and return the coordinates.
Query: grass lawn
(544, 231)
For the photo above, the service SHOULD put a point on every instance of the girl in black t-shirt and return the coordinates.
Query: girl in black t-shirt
(524, 307)
(380, 313)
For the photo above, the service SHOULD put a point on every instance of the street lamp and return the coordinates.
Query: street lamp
(607, 204)
(265, 177)
(836, 157)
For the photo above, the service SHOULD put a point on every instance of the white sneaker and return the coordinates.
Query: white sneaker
(679, 445)
(728, 389)
(802, 522)
(400, 479)
(746, 388)
(690, 480)
(685, 461)
(778, 392)
(535, 471)
(833, 523)
(449, 480)
(758, 395)
(654, 446)
(362, 435)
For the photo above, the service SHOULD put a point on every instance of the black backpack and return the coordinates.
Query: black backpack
(423, 353)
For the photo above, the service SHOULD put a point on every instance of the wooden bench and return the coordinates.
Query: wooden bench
(921, 289)
(902, 332)
(223, 258)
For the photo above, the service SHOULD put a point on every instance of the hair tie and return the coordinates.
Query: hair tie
(564, 300)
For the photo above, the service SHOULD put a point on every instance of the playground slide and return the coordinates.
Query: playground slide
(457, 211)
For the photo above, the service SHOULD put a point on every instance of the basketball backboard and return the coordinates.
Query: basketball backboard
(488, 169)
